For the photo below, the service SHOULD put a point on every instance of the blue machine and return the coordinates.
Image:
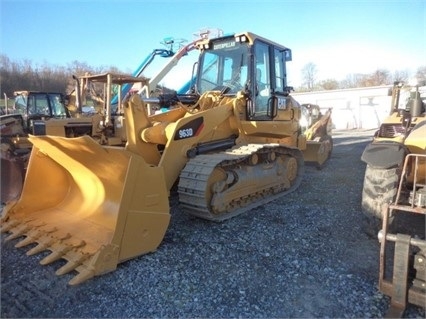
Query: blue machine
(126, 87)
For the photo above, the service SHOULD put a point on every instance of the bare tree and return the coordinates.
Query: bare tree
(349, 82)
(309, 72)
(329, 84)
(379, 77)
(27, 76)
(400, 76)
(421, 73)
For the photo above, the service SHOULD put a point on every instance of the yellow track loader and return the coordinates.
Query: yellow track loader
(228, 146)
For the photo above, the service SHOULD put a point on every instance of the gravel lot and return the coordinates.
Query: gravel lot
(304, 255)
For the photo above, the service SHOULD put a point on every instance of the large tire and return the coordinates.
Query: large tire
(380, 187)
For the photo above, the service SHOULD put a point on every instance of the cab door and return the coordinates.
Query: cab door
(270, 82)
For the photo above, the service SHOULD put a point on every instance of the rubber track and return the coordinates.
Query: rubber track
(193, 182)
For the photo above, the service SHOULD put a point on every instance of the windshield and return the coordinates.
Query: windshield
(41, 104)
(404, 98)
(224, 67)
(58, 107)
(21, 104)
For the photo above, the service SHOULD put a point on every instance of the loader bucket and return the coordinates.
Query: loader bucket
(318, 151)
(91, 205)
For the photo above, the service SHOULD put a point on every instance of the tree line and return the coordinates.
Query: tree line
(376, 78)
(25, 75)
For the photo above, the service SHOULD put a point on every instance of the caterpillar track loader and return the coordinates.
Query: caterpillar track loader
(228, 146)
(394, 197)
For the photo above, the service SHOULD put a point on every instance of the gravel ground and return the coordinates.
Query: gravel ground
(304, 255)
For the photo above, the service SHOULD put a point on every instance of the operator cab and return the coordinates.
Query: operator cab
(35, 106)
(248, 63)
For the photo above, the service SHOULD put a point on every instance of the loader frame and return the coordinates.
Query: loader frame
(401, 288)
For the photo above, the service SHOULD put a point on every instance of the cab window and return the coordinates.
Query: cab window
(38, 104)
(262, 76)
(279, 61)
(58, 107)
(224, 68)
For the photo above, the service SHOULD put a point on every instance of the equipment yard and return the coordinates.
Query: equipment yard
(301, 255)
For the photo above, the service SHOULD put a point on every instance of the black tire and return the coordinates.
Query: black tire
(380, 187)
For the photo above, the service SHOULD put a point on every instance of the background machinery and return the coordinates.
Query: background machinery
(317, 128)
(175, 49)
(48, 113)
(400, 134)
(394, 197)
(36, 113)
(227, 145)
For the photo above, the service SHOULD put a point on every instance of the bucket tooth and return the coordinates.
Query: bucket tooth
(7, 226)
(31, 237)
(17, 232)
(26, 241)
(59, 250)
(54, 256)
(82, 276)
(45, 242)
(39, 248)
(71, 265)
(74, 257)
